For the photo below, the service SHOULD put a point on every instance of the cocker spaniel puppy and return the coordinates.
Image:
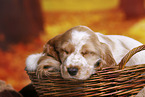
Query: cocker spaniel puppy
(80, 50)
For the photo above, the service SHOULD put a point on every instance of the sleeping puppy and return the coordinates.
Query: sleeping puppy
(43, 65)
(80, 50)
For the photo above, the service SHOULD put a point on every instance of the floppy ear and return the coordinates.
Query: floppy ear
(107, 57)
(50, 50)
(50, 47)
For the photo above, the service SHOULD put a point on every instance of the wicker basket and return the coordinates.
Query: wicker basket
(111, 81)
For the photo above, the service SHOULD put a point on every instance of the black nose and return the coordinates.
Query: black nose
(72, 71)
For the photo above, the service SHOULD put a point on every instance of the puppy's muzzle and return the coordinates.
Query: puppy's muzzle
(72, 71)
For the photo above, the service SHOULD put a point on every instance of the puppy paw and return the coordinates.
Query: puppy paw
(47, 66)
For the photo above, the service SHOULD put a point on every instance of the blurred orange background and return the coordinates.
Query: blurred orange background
(105, 16)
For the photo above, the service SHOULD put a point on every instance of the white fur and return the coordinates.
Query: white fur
(121, 45)
(78, 40)
(31, 61)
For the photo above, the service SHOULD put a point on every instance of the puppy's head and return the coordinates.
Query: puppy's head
(79, 52)
(46, 66)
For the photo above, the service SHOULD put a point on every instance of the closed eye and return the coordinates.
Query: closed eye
(65, 51)
(47, 67)
(88, 53)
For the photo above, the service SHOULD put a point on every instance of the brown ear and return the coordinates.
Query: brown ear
(50, 47)
(107, 57)
(50, 50)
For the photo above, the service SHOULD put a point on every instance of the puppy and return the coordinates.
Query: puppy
(80, 50)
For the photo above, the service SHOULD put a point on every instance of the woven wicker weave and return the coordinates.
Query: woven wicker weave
(111, 81)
